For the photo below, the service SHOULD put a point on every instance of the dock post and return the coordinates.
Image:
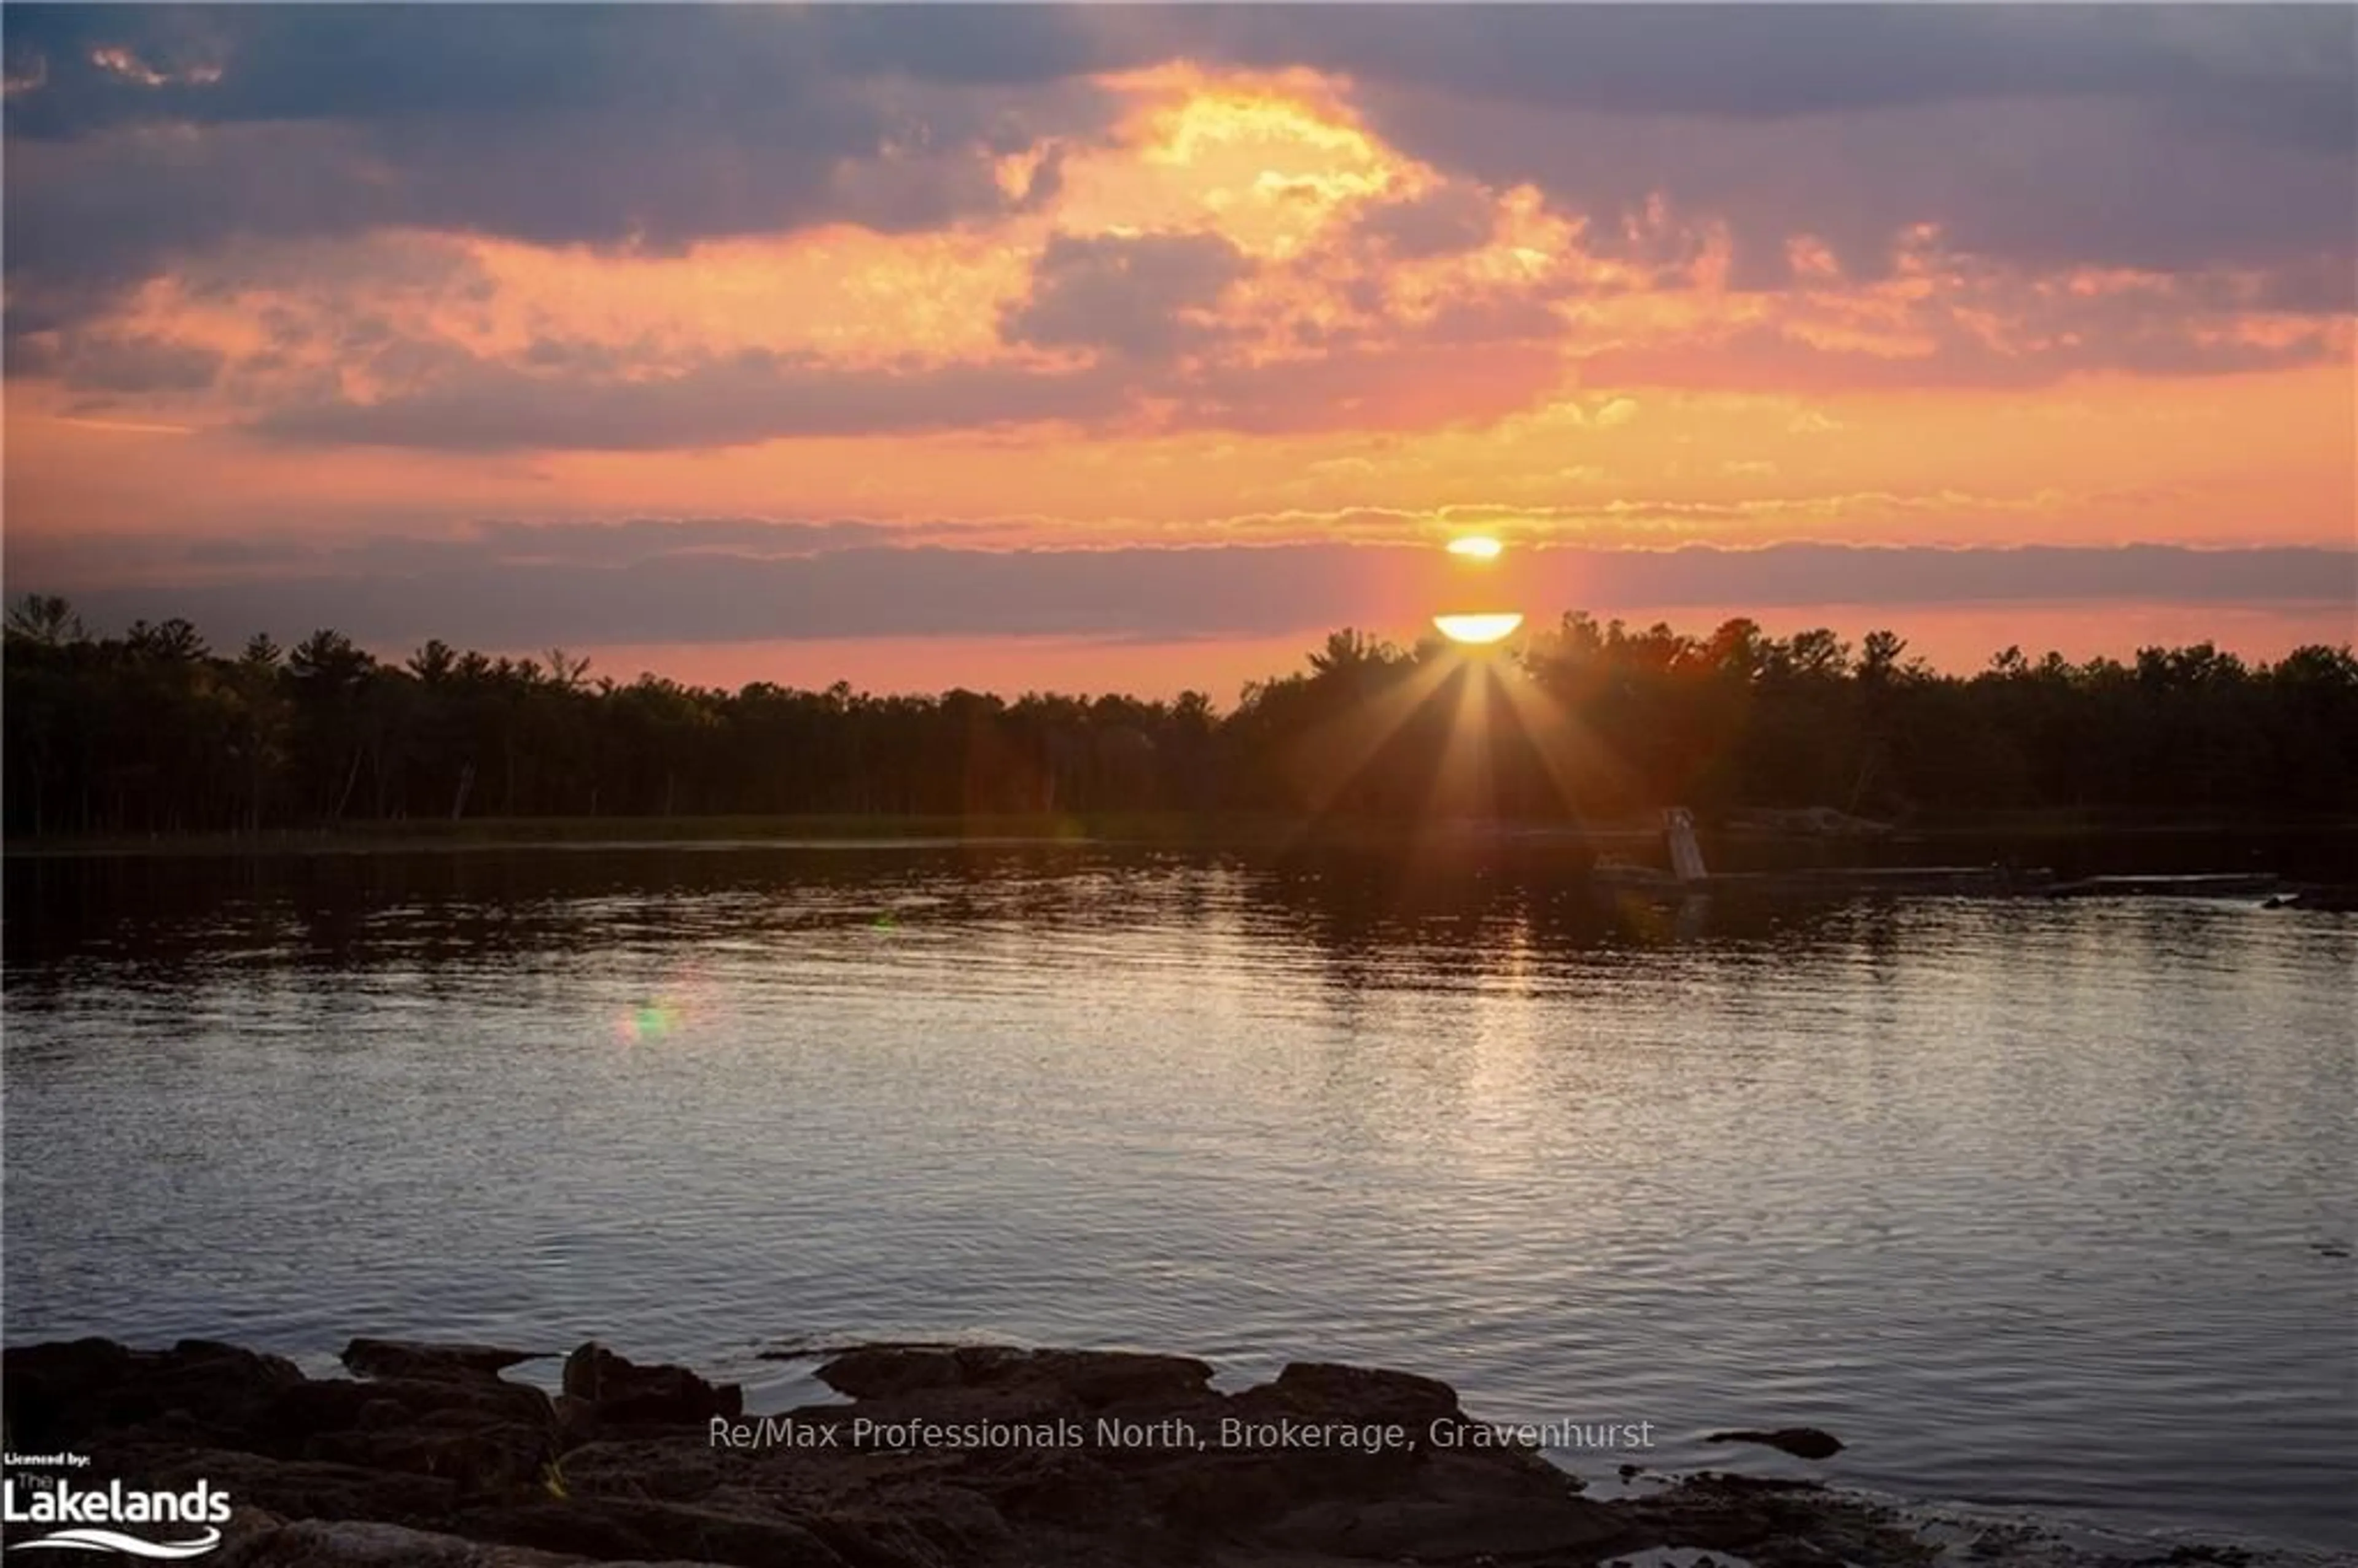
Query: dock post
(1686, 855)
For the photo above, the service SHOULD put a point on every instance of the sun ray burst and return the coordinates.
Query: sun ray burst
(1463, 784)
(1564, 743)
(1336, 752)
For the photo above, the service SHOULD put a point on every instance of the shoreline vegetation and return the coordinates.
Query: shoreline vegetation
(932, 1453)
(1578, 730)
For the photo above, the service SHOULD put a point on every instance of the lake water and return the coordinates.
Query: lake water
(2035, 1203)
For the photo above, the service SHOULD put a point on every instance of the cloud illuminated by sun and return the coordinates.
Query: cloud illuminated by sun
(1265, 158)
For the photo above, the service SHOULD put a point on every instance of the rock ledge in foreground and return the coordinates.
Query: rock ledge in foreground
(945, 1455)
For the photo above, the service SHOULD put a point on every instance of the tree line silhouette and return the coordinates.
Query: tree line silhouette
(154, 732)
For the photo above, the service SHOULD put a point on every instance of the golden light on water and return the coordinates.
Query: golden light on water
(1477, 631)
(1475, 547)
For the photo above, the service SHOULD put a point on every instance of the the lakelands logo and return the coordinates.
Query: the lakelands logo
(89, 1517)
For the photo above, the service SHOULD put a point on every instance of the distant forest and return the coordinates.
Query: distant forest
(155, 732)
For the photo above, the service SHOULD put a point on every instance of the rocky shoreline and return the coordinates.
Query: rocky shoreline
(941, 1456)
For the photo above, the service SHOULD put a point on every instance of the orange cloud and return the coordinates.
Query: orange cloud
(1242, 313)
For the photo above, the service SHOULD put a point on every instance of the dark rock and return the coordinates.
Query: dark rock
(495, 1459)
(957, 1528)
(347, 1543)
(1327, 1393)
(409, 1358)
(1396, 1530)
(434, 1460)
(1241, 1489)
(576, 1420)
(314, 1418)
(1091, 1379)
(293, 1488)
(612, 1528)
(1802, 1442)
(1060, 1487)
(467, 1437)
(1770, 1522)
(319, 1544)
(660, 1470)
(375, 1415)
(59, 1394)
(622, 1391)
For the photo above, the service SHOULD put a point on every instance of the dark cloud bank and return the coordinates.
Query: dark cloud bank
(670, 583)
(2173, 137)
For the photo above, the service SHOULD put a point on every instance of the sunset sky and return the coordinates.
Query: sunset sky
(1133, 347)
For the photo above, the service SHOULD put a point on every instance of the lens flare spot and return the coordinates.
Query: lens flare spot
(650, 1023)
(1478, 631)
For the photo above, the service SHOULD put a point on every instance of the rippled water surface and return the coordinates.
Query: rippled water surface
(2037, 1204)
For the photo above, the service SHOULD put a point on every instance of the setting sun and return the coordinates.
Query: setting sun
(1478, 631)
(1475, 547)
